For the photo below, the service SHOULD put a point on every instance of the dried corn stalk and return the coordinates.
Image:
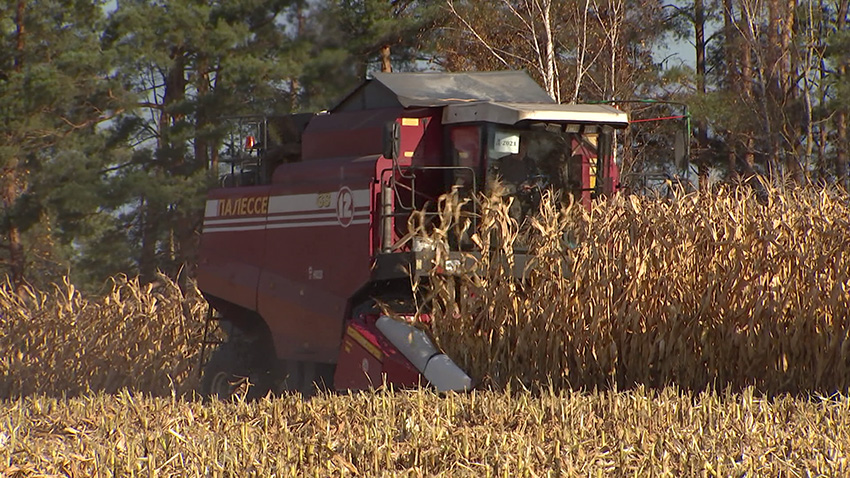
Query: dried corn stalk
(702, 291)
(141, 337)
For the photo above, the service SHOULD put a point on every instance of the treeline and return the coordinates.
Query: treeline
(113, 114)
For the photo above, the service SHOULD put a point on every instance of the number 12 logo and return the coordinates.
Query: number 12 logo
(345, 207)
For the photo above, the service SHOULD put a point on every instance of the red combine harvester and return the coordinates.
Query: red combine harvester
(302, 240)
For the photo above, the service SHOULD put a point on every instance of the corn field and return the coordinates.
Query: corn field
(701, 291)
(136, 337)
(727, 290)
(644, 337)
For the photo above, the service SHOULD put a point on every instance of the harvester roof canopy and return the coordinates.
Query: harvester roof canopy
(513, 113)
(406, 90)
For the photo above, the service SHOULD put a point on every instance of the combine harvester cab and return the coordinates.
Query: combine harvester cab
(299, 249)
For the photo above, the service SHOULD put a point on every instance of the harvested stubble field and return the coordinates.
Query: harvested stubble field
(635, 433)
(746, 298)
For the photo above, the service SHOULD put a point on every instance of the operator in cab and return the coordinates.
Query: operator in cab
(518, 173)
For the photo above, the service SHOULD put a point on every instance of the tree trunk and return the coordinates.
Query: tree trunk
(730, 33)
(786, 38)
(294, 83)
(732, 159)
(733, 78)
(747, 94)
(17, 259)
(171, 161)
(148, 231)
(842, 162)
(553, 86)
(773, 52)
(20, 34)
(787, 92)
(822, 142)
(841, 156)
(11, 187)
(386, 64)
(185, 230)
(294, 86)
(175, 92)
(760, 73)
(809, 61)
(823, 76)
(202, 120)
(749, 153)
(612, 32)
(702, 174)
(582, 49)
(699, 42)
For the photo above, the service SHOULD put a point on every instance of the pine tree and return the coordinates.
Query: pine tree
(349, 39)
(193, 64)
(55, 93)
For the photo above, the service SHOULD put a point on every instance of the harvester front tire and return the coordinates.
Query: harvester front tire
(232, 372)
(308, 378)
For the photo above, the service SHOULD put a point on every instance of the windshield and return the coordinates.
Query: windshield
(528, 161)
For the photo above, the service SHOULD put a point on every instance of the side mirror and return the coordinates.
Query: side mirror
(392, 140)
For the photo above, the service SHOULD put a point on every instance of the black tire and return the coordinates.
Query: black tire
(308, 378)
(239, 367)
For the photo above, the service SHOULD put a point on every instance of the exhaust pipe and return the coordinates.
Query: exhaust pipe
(435, 366)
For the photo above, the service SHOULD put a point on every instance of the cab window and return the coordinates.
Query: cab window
(466, 153)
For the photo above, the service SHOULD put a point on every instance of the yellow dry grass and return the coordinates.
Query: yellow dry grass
(138, 337)
(721, 290)
(417, 433)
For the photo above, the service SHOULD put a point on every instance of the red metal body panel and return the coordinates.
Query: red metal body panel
(421, 145)
(359, 367)
(421, 136)
(318, 253)
(369, 360)
(588, 173)
(301, 259)
(231, 261)
(346, 134)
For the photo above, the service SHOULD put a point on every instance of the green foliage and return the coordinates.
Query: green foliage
(113, 114)
(55, 91)
(191, 64)
(342, 41)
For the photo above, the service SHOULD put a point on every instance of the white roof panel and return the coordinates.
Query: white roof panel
(513, 113)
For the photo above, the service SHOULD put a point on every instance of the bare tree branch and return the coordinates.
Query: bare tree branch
(472, 30)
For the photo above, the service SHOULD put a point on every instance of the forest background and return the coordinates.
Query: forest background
(113, 114)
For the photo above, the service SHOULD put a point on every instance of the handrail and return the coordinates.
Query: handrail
(391, 188)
